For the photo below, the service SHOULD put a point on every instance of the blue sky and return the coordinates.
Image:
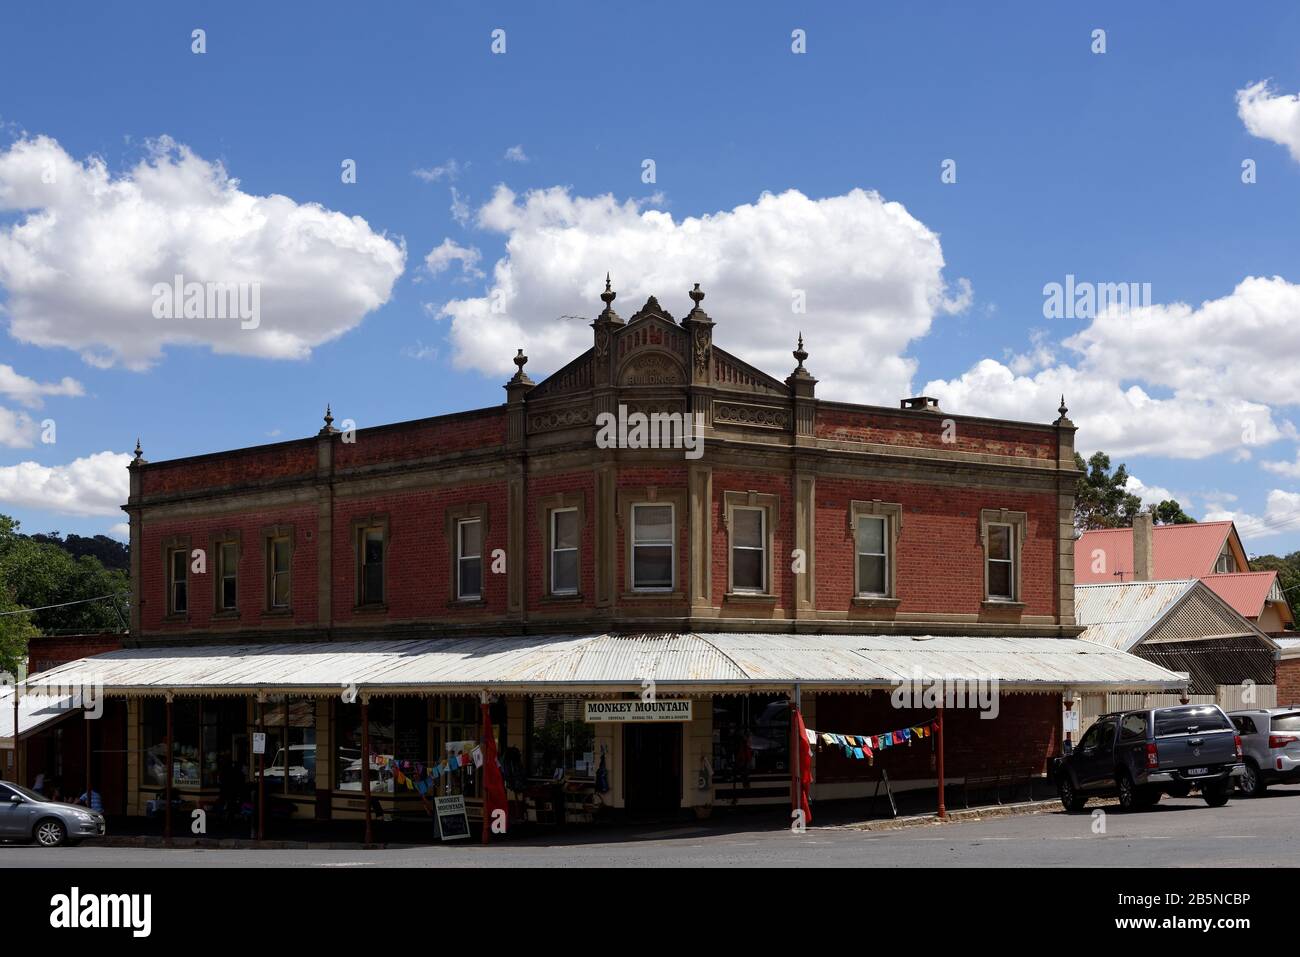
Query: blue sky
(1114, 167)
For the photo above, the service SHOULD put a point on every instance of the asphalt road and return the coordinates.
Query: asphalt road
(1178, 833)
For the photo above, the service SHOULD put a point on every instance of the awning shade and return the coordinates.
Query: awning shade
(691, 661)
(35, 711)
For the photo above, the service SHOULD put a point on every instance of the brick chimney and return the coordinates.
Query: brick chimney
(1144, 562)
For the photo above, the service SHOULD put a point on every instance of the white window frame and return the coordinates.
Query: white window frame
(671, 543)
(762, 588)
(172, 581)
(555, 549)
(858, 553)
(1010, 561)
(461, 558)
(227, 572)
(273, 576)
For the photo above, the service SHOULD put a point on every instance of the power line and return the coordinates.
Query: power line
(80, 601)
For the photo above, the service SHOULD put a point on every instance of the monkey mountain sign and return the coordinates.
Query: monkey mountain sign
(602, 711)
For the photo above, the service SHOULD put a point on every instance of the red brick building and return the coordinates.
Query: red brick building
(803, 549)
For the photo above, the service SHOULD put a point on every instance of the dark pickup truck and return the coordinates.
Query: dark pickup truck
(1140, 755)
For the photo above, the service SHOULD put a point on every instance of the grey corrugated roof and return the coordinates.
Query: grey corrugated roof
(1119, 615)
(1122, 614)
(34, 712)
(689, 661)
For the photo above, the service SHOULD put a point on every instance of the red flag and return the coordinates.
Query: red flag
(803, 769)
(494, 788)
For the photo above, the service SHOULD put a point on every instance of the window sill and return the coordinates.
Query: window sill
(229, 615)
(176, 618)
(875, 601)
(749, 598)
(653, 595)
(377, 608)
(574, 599)
(277, 613)
(1002, 604)
(467, 603)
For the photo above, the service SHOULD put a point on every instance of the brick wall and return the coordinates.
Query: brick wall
(939, 553)
(46, 652)
(251, 591)
(1022, 738)
(926, 430)
(1288, 682)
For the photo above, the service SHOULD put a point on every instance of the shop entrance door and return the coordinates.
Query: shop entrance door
(652, 767)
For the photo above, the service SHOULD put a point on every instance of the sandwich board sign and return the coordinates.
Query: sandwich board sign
(453, 822)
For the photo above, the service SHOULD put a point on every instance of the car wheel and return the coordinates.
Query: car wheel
(50, 832)
(1252, 782)
(1148, 797)
(1071, 799)
(1216, 795)
(1128, 792)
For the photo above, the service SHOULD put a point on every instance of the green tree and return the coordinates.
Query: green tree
(39, 574)
(1102, 499)
(1169, 512)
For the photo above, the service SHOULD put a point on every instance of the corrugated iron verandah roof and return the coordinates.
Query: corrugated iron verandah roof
(613, 663)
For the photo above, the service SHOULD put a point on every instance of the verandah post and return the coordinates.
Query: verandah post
(938, 744)
(167, 788)
(365, 763)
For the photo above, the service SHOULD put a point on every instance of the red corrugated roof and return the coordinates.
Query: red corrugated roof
(1246, 592)
(1181, 551)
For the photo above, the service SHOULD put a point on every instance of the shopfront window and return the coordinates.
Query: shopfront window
(559, 740)
(751, 736)
(399, 736)
(205, 733)
(290, 726)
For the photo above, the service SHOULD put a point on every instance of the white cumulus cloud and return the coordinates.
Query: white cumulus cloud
(80, 262)
(1170, 379)
(1271, 116)
(93, 485)
(870, 273)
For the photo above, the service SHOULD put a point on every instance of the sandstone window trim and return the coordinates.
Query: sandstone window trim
(271, 534)
(218, 543)
(547, 508)
(454, 517)
(172, 547)
(890, 514)
(1017, 524)
(362, 526)
(628, 499)
(768, 505)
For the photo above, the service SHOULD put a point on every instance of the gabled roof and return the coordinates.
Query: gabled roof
(1180, 552)
(1245, 591)
(1124, 615)
(1120, 614)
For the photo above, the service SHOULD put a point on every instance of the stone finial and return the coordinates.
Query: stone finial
(800, 355)
(697, 296)
(520, 376)
(139, 453)
(1061, 418)
(607, 297)
(328, 427)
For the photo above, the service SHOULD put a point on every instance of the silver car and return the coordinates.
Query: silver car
(27, 816)
(1270, 738)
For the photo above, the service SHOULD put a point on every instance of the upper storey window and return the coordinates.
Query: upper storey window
(653, 547)
(178, 595)
(564, 551)
(469, 559)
